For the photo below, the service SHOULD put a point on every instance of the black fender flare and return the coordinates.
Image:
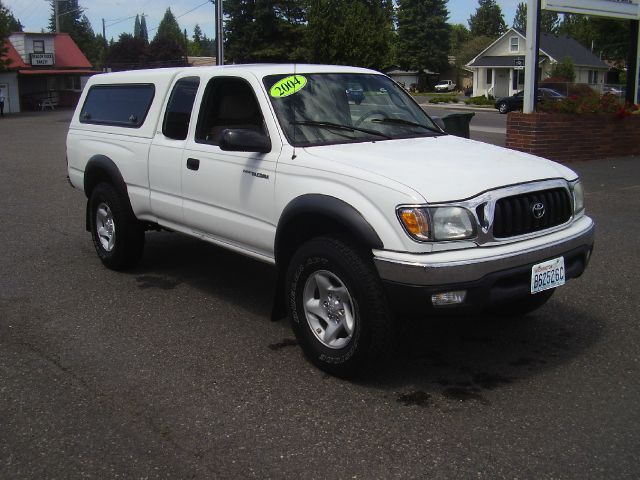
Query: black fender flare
(101, 168)
(98, 167)
(328, 206)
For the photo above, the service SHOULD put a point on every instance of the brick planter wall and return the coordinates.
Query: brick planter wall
(567, 138)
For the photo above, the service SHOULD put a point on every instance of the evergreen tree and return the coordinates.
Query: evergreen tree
(136, 27)
(69, 14)
(168, 44)
(424, 36)
(264, 30)
(488, 20)
(8, 24)
(549, 21)
(197, 34)
(169, 28)
(357, 32)
(144, 33)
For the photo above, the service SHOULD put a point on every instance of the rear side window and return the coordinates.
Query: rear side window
(178, 114)
(119, 105)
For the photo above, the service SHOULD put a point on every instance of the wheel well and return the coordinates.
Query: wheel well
(101, 169)
(303, 228)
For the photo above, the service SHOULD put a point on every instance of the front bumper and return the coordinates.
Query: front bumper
(490, 275)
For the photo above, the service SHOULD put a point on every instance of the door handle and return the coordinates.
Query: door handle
(193, 163)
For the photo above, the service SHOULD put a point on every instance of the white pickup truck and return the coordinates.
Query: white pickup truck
(364, 208)
(445, 86)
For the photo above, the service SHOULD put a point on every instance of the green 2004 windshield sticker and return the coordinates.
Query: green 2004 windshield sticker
(288, 86)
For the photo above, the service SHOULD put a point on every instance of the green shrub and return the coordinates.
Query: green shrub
(444, 99)
(481, 101)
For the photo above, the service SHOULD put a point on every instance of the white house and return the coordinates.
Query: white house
(499, 69)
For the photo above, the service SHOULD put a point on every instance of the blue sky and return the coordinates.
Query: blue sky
(34, 14)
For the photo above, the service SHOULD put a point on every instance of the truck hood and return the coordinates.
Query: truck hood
(441, 169)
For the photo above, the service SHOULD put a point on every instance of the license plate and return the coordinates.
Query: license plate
(546, 275)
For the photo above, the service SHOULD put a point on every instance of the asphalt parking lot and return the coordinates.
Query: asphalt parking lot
(174, 370)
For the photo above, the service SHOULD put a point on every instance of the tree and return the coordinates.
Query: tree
(77, 25)
(168, 44)
(564, 69)
(460, 35)
(69, 14)
(357, 32)
(7, 22)
(264, 30)
(144, 33)
(136, 27)
(127, 53)
(488, 20)
(424, 36)
(549, 21)
(607, 37)
(472, 49)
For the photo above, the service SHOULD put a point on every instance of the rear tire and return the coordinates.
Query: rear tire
(503, 108)
(337, 307)
(118, 236)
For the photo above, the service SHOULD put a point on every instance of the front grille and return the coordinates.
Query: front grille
(516, 216)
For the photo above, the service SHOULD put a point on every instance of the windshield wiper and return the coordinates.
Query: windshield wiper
(402, 121)
(338, 126)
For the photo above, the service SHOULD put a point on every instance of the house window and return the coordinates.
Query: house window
(593, 77)
(38, 46)
(489, 76)
(514, 45)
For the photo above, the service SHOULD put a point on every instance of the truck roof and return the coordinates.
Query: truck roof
(259, 69)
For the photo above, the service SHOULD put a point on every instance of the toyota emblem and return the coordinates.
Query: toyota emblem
(538, 210)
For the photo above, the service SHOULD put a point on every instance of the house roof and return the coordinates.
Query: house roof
(68, 55)
(555, 47)
(13, 56)
(560, 47)
(507, 61)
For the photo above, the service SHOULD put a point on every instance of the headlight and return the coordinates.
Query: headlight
(452, 223)
(578, 197)
(438, 223)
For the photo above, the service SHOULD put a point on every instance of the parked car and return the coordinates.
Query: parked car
(515, 102)
(445, 86)
(355, 94)
(363, 212)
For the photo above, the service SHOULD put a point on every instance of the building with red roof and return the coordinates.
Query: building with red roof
(46, 70)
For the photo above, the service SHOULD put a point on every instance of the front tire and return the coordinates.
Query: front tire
(118, 236)
(337, 307)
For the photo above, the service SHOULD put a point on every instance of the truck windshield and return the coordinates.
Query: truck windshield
(330, 108)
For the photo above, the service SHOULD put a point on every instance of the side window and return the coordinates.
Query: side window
(178, 114)
(119, 105)
(227, 103)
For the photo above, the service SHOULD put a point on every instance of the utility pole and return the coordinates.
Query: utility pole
(633, 63)
(55, 12)
(531, 59)
(219, 35)
(104, 33)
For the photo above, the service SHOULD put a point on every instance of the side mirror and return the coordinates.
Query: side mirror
(244, 140)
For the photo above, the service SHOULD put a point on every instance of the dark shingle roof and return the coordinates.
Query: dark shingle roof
(560, 47)
(507, 61)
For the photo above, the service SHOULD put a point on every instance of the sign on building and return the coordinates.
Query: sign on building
(629, 9)
(518, 64)
(42, 59)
